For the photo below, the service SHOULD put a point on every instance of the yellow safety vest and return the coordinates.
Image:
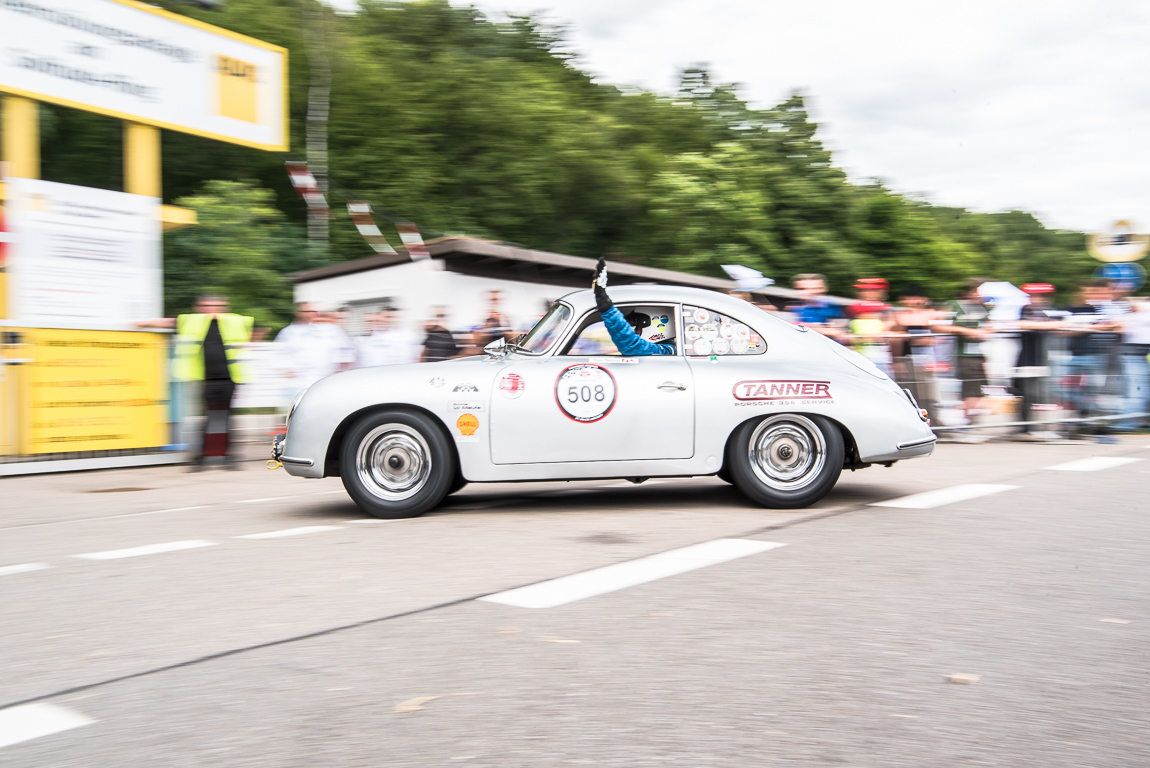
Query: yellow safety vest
(191, 330)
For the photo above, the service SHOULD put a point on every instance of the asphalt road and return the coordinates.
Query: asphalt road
(362, 643)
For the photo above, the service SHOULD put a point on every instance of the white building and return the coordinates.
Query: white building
(461, 272)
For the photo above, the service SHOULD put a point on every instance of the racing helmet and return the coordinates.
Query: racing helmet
(654, 324)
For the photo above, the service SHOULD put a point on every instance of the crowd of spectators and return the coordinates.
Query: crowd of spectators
(1087, 359)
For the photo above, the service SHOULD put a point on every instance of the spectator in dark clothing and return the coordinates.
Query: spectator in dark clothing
(495, 324)
(438, 344)
(1094, 347)
(209, 343)
(1032, 370)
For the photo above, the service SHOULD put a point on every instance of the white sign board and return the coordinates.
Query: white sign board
(81, 257)
(132, 61)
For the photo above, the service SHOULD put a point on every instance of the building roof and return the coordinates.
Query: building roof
(487, 258)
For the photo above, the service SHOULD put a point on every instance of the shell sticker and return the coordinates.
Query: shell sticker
(467, 424)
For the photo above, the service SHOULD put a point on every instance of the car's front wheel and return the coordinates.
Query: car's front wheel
(787, 460)
(396, 464)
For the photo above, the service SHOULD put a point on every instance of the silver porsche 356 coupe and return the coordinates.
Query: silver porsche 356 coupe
(776, 409)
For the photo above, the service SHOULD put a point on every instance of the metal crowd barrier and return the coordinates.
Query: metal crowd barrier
(1107, 389)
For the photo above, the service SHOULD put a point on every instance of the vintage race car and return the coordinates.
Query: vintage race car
(776, 409)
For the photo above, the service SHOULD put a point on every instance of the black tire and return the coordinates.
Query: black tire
(396, 464)
(457, 485)
(724, 474)
(787, 460)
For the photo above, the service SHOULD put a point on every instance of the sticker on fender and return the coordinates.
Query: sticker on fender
(467, 424)
(585, 392)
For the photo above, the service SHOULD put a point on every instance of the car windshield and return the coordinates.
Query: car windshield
(543, 335)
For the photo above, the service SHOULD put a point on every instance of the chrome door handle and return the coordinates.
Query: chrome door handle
(671, 385)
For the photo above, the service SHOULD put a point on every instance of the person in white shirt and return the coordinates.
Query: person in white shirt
(343, 351)
(388, 343)
(309, 349)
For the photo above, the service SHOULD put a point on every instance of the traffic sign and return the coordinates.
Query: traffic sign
(1118, 244)
(1123, 275)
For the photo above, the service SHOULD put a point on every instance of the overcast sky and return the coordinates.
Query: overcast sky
(989, 105)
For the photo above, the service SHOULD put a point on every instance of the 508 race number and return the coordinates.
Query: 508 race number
(585, 392)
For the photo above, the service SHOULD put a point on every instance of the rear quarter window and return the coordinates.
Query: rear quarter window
(707, 333)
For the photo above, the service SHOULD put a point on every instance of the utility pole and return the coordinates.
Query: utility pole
(318, 107)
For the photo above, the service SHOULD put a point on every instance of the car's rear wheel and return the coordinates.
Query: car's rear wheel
(787, 460)
(396, 464)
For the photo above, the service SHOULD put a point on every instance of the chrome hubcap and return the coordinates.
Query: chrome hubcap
(393, 462)
(787, 452)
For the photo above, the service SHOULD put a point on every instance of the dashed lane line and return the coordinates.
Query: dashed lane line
(954, 494)
(165, 511)
(23, 568)
(107, 517)
(150, 549)
(33, 721)
(599, 581)
(305, 529)
(1093, 464)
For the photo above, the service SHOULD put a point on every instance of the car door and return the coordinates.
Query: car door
(593, 405)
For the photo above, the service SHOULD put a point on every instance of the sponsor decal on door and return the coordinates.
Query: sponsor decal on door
(759, 391)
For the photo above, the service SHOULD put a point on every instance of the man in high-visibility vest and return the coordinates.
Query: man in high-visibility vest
(209, 356)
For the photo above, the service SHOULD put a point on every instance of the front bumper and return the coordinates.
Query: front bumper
(278, 453)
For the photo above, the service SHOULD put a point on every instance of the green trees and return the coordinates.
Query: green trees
(472, 127)
(241, 248)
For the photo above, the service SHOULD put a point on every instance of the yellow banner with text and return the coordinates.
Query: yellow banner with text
(91, 391)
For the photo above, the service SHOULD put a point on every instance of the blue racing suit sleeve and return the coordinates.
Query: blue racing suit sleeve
(627, 341)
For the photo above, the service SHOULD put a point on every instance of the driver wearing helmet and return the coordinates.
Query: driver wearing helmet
(630, 333)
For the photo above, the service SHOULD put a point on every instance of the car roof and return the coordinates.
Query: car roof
(582, 301)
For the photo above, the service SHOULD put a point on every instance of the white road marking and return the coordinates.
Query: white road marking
(1093, 464)
(31, 721)
(932, 499)
(106, 517)
(150, 549)
(23, 568)
(366, 520)
(567, 589)
(289, 532)
(269, 498)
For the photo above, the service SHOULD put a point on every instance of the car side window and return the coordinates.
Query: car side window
(657, 324)
(593, 339)
(707, 333)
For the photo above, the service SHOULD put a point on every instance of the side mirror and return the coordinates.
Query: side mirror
(496, 347)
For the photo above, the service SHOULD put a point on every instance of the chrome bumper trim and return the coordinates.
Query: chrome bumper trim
(299, 462)
(916, 443)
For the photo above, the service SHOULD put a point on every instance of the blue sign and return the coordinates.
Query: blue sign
(1123, 275)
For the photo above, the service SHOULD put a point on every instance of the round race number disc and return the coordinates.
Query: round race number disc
(585, 392)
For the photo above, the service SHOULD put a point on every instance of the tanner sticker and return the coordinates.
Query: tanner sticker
(466, 407)
(465, 387)
(512, 385)
(585, 392)
(782, 390)
(467, 424)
